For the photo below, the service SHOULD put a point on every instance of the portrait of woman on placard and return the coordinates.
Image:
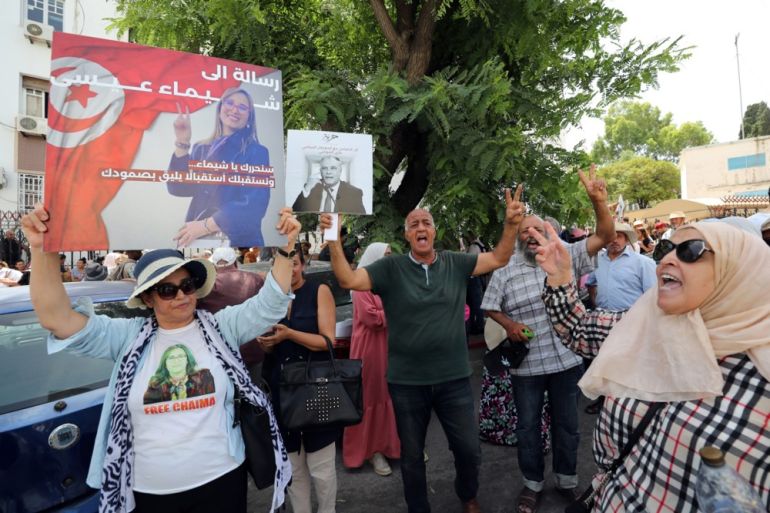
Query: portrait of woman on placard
(235, 211)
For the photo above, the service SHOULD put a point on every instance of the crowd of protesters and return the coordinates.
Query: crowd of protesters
(635, 314)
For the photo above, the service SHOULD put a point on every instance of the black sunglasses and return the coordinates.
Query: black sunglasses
(688, 251)
(170, 290)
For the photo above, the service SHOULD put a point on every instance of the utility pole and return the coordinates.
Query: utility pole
(740, 89)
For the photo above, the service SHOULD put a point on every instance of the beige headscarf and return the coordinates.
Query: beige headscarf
(652, 356)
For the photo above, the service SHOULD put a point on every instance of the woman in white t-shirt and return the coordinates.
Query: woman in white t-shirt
(167, 440)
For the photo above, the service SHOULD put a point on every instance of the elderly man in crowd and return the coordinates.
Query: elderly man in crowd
(423, 294)
(677, 219)
(622, 275)
(513, 300)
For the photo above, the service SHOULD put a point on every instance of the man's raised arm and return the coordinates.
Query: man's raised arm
(514, 213)
(605, 226)
(347, 277)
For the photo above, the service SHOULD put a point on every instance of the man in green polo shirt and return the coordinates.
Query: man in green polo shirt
(423, 294)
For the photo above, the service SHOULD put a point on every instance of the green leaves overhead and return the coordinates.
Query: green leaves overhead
(462, 97)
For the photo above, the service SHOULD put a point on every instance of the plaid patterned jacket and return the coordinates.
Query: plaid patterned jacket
(660, 473)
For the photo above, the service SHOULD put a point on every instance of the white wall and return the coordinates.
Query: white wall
(22, 58)
(705, 172)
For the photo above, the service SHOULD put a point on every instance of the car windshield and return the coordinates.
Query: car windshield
(30, 376)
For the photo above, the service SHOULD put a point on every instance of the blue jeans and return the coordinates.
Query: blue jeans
(563, 394)
(453, 403)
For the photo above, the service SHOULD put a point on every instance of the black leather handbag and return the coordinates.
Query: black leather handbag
(321, 394)
(507, 355)
(255, 428)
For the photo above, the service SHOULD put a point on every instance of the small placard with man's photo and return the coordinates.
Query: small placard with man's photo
(329, 172)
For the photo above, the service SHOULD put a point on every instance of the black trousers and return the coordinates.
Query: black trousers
(226, 494)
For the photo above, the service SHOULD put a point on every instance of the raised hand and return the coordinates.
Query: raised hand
(552, 256)
(288, 225)
(34, 226)
(514, 208)
(595, 187)
(325, 222)
(182, 126)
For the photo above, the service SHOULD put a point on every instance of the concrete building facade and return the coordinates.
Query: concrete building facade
(733, 169)
(26, 30)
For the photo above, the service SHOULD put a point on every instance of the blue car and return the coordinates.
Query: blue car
(50, 405)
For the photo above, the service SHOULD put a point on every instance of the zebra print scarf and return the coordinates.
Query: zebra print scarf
(117, 474)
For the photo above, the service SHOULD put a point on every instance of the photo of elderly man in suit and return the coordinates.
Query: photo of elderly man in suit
(330, 194)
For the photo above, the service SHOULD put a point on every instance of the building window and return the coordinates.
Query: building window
(47, 12)
(34, 103)
(30, 191)
(35, 97)
(746, 161)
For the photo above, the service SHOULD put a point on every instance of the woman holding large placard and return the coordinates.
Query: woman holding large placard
(167, 438)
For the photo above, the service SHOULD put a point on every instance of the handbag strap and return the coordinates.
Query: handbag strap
(330, 348)
(636, 435)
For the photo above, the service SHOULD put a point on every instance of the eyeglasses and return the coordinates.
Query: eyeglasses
(241, 107)
(170, 290)
(688, 251)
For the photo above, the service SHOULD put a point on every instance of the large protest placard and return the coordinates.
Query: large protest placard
(329, 172)
(151, 148)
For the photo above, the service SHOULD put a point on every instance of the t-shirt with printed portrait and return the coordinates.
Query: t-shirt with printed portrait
(177, 411)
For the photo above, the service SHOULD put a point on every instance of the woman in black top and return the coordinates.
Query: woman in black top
(298, 338)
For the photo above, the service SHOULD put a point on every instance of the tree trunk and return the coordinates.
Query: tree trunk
(417, 175)
(411, 43)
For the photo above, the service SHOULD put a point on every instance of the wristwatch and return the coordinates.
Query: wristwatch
(285, 254)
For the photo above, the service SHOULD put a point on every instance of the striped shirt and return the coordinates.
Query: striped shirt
(515, 290)
(661, 471)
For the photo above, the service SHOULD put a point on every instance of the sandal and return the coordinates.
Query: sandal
(528, 501)
(570, 494)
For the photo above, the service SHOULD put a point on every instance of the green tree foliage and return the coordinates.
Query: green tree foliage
(463, 97)
(638, 128)
(756, 120)
(642, 180)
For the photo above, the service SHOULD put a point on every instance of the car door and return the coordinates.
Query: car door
(49, 413)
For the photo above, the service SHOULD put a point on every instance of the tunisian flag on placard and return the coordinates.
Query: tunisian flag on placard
(94, 126)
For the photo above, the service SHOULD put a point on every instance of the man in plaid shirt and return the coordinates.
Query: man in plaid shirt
(513, 300)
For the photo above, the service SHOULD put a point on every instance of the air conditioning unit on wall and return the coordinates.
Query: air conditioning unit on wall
(38, 32)
(31, 125)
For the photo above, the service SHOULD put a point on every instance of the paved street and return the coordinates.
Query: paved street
(362, 490)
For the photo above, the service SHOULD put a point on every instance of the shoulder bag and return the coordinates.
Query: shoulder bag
(321, 394)
(255, 428)
(586, 501)
(507, 355)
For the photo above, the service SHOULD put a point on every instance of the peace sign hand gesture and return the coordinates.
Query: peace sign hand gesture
(182, 128)
(514, 208)
(595, 187)
(552, 256)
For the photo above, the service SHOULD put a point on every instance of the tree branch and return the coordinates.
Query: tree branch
(422, 44)
(398, 44)
(385, 23)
